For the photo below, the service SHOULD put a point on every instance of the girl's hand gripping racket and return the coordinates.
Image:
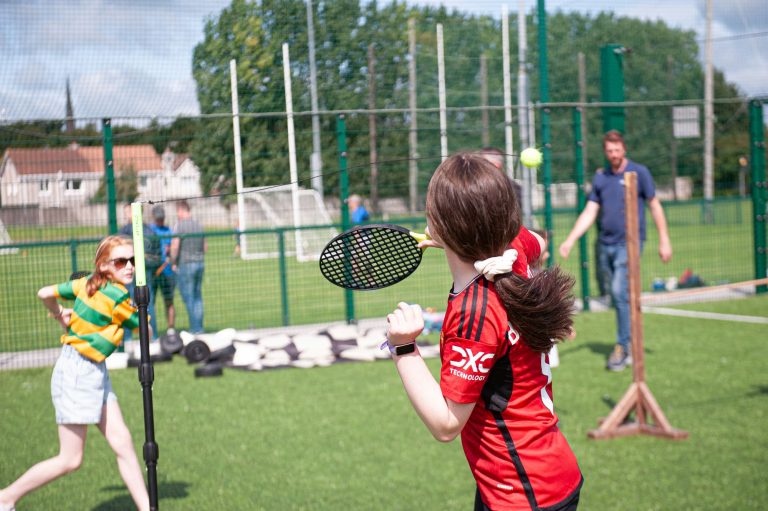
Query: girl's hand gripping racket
(371, 256)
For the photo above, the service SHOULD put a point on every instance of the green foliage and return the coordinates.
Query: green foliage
(663, 64)
(24, 134)
(126, 186)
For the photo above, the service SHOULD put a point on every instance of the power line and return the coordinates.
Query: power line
(737, 36)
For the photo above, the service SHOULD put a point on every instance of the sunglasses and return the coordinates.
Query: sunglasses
(121, 262)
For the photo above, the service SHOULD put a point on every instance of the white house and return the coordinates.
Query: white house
(181, 177)
(61, 177)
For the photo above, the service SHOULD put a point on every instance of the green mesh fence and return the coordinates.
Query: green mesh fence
(260, 267)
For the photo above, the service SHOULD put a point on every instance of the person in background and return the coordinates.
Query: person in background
(607, 196)
(187, 256)
(164, 278)
(80, 385)
(358, 213)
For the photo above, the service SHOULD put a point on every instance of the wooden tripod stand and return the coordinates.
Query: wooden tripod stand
(638, 395)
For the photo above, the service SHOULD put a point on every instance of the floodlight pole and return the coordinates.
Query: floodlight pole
(638, 396)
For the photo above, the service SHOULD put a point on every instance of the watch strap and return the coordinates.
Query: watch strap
(400, 349)
(403, 349)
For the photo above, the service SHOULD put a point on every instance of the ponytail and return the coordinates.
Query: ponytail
(95, 282)
(540, 308)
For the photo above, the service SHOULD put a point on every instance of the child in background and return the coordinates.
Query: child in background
(80, 386)
(495, 381)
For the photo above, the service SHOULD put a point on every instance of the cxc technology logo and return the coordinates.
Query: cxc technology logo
(470, 361)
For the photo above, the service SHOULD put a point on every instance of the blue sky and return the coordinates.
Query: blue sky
(133, 57)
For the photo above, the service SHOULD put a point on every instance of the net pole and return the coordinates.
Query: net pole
(146, 372)
(441, 93)
(341, 140)
(522, 109)
(759, 190)
(510, 147)
(638, 396)
(546, 146)
(292, 149)
(633, 274)
(238, 156)
(582, 202)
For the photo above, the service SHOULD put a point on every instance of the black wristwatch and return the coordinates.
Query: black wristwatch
(403, 349)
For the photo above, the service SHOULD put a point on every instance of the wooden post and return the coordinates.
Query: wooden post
(638, 396)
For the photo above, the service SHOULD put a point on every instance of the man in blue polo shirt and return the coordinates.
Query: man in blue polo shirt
(608, 194)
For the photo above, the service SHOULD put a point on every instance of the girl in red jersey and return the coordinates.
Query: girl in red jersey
(495, 380)
(80, 386)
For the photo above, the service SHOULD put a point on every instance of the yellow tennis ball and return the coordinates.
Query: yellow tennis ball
(531, 157)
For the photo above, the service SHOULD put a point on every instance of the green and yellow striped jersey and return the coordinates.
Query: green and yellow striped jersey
(97, 322)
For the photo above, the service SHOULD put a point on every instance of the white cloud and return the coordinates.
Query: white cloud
(739, 16)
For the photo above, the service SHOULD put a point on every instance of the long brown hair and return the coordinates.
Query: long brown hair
(99, 278)
(473, 209)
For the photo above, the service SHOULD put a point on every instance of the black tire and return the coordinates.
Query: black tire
(209, 370)
(171, 343)
(197, 351)
(223, 355)
(160, 357)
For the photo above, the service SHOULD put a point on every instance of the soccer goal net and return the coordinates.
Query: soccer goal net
(269, 208)
(5, 239)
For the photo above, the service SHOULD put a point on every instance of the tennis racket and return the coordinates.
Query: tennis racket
(371, 256)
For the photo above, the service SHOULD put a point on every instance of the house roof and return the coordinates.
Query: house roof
(178, 159)
(79, 160)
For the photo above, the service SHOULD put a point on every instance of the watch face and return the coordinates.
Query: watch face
(405, 349)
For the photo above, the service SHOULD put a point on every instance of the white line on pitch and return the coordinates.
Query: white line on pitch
(705, 315)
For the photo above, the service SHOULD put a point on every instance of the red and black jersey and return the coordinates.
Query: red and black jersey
(516, 452)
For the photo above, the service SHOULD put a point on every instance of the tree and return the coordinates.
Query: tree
(126, 187)
(253, 33)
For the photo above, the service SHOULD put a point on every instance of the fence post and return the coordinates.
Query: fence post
(73, 254)
(545, 133)
(283, 276)
(612, 86)
(582, 201)
(759, 189)
(109, 174)
(341, 139)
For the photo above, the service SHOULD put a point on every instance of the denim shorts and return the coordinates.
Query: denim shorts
(80, 388)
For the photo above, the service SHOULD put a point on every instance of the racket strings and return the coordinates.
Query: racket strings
(370, 258)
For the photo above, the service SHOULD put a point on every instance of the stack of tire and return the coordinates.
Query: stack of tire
(158, 351)
(209, 352)
(254, 350)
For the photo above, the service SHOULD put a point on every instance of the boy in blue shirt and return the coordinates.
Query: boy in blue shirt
(358, 212)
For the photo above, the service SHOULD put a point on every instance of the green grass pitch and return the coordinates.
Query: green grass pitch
(345, 437)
